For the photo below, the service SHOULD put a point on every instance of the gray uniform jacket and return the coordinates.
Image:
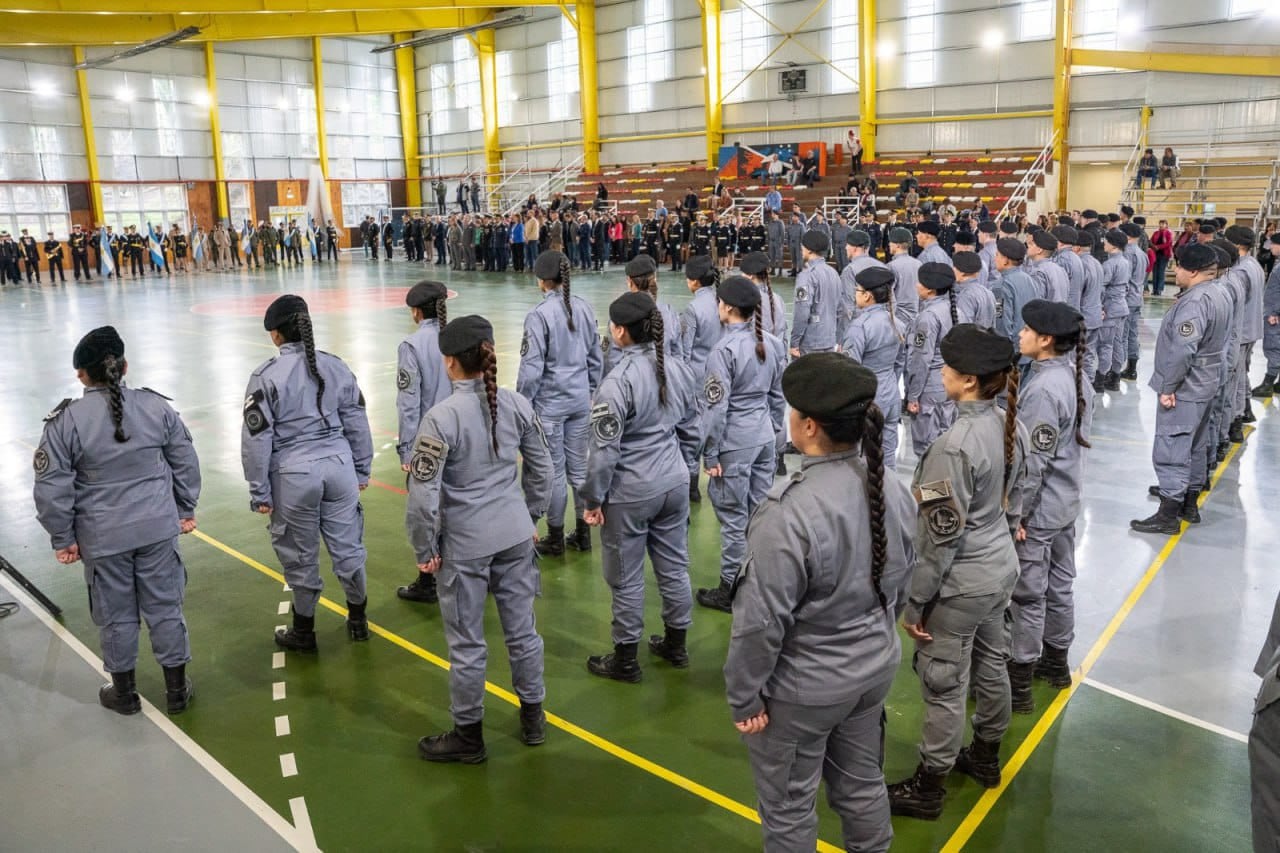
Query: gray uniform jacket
(1271, 294)
(1070, 262)
(559, 369)
(839, 236)
(743, 406)
(465, 501)
(673, 346)
(1055, 461)
(934, 254)
(817, 324)
(924, 357)
(849, 284)
(634, 454)
(1250, 271)
(1051, 280)
(807, 626)
(988, 254)
(109, 497)
(975, 303)
(421, 382)
(965, 532)
(283, 427)
(822, 227)
(777, 232)
(795, 232)
(1091, 293)
(1115, 287)
(1137, 275)
(700, 328)
(1012, 291)
(1190, 358)
(872, 341)
(775, 318)
(906, 275)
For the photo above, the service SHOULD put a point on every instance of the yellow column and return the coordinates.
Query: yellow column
(1144, 127)
(222, 208)
(588, 83)
(712, 89)
(487, 52)
(867, 28)
(1063, 35)
(407, 86)
(90, 143)
(317, 79)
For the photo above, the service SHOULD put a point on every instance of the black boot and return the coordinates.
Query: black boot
(695, 497)
(980, 760)
(301, 637)
(1130, 370)
(1235, 435)
(357, 621)
(1053, 667)
(1153, 491)
(1020, 687)
(920, 796)
(1248, 417)
(1224, 447)
(178, 689)
(1099, 382)
(1191, 507)
(121, 695)
(581, 538)
(1111, 382)
(781, 470)
(719, 598)
(464, 744)
(422, 589)
(551, 545)
(671, 647)
(1268, 386)
(1165, 521)
(620, 664)
(533, 724)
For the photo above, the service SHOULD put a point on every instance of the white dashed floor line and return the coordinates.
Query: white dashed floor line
(277, 660)
(282, 726)
(277, 691)
(282, 608)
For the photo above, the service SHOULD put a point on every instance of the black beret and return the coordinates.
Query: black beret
(975, 351)
(640, 266)
(1241, 235)
(1228, 252)
(986, 226)
(1117, 238)
(1065, 234)
(1140, 220)
(754, 263)
(1126, 210)
(1113, 217)
(1131, 229)
(873, 278)
(739, 291)
(858, 239)
(967, 262)
(816, 242)
(1033, 228)
(1085, 238)
(937, 277)
(1045, 240)
(1088, 213)
(466, 333)
(1011, 248)
(283, 310)
(698, 267)
(97, 345)
(900, 235)
(547, 266)
(966, 238)
(1195, 257)
(1008, 227)
(424, 293)
(631, 308)
(928, 227)
(1208, 228)
(828, 386)
(1066, 219)
(1051, 318)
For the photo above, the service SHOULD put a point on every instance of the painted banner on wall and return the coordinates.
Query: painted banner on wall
(770, 161)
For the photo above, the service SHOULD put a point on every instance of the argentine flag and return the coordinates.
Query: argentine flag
(244, 239)
(197, 237)
(157, 253)
(106, 266)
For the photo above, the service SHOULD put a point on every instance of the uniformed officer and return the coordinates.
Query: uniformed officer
(637, 485)
(927, 239)
(755, 266)
(742, 417)
(1115, 311)
(560, 368)
(133, 244)
(1264, 743)
(1053, 406)
(988, 236)
(642, 277)
(29, 249)
(1090, 301)
(1137, 255)
(1249, 274)
(814, 649)
(116, 481)
(817, 325)
(1232, 287)
(875, 340)
(700, 328)
(1188, 373)
(857, 256)
(481, 470)
(966, 242)
(331, 240)
(872, 228)
(306, 452)
(839, 237)
(1050, 279)
(53, 251)
(1065, 256)
(9, 254)
(965, 571)
(388, 240)
(795, 242)
(79, 244)
(975, 303)
(776, 237)
(1012, 288)
(927, 398)
(1271, 325)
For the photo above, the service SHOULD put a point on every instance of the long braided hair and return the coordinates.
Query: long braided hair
(1067, 344)
(955, 314)
(1012, 379)
(763, 278)
(484, 359)
(652, 329)
(647, 283)
(758, 314)
(108, 372)
(711, 279)
(440, 312)
(884, 296)
(298, 329)
(563, 279)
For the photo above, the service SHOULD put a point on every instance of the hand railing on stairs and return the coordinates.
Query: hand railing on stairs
(554, 183)
(1030, 179)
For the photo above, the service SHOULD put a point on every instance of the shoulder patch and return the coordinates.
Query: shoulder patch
(1044, 437)
(255, 421)
(157, 393)
(605, 425)
(403, 379)
(41, 461)
(999, 307)
(938, 490)
(943, 521)
(713, 390)
(920, 339)
(57, 410)
(802, 293)
(428, 458)
(1187, 329)
(524, 345)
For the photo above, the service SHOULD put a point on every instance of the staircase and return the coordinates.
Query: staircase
(1241, 188)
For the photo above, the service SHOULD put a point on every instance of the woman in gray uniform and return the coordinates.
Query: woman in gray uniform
(307, 452)
(470, 523)
(1053, 405)
(1115, 310)
(421, 382)
(637, 488)
(116, 481)
(975, 302)
(814, 648)
(927, 398)
(874, 340)
(743, 412)
(965, 487)
(755, 266)
(700, 328)
(560, 368)
(642, 277)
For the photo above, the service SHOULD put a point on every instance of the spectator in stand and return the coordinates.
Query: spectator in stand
(691, 200)
(1148, 167)
(979, 212)
(1169, 169)
(773, 200)
(1162, 245)
(1188, 236)
(1265, 256)
(910, 184)
(853, 145)
(809, 170)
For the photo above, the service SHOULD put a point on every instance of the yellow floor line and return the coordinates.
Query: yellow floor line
(507, 696)
(1020, 757)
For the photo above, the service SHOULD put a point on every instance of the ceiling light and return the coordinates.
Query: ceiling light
(886, 50)
(282, 104)
(202, 98)
(1130, 24)
(124, 95)
(450, 35)
(44, 88)
(145, 47)
(992, 39)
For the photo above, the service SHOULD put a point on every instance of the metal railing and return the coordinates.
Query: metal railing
(498, 197)
(1270, 204)
(846, 204)
(554, 183)
(1030, 179)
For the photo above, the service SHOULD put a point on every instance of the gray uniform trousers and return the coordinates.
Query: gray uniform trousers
(1241, 390)
(567, 441)
(1264, 777)
(889, 437)
(455, 255)
(1044, 609)
(936, 415)
(970, 639)
(1093, 344)
(1131, 324)
(318, 499)
(1109, 343)
(1180, 451)
(1271, 347)
(512, 577)
(659, 526)
(844, 744)
(743, 485)
(147, 582)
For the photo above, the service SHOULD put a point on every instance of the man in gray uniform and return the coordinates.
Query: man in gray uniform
(1271, 325)
(1065, 256)
(816, 325)
(1090, 302)
(927, 239)
(1051, 280)
(1013, 289)
(839, 236)
(1253, 279)
(906, 275)
(795, 234)
(857, 257)
(1264, 744)
(988, 235)
(1115, 311)
(777, 237)
(1137, 255)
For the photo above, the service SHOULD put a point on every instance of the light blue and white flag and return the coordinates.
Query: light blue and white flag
(106, 266)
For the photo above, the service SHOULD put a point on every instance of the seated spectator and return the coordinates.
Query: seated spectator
(910, 199)
(909, 184)
(809, 174)
(691, 200)
(1169, 169)
(1148, 167)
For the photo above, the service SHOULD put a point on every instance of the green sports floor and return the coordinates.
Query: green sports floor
(1145, 753)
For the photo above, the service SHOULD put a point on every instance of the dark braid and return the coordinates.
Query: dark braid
(768, 289)
(1010, 430)
(712, 279)
(955, 315)
(1081, 349)
(657, 329)
(111, 375)
(489, 362)
(759, 317)
(564, 289)
(442, 313)
(302, 324)
(873, 451)
(647, 283)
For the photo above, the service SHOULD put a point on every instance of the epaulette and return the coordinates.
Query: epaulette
(780, 487)
(265, 365)
(57, 410)
(157, 393)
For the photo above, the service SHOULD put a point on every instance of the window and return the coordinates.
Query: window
(1244, 8)
(744, 41)
(124, 165)
(363, 199)
(466, 82)
(440, 98)
(649, 54)
(238, 202)
(1097, 24)
(165, 92)
(39, 208)
(562, 73)
(917, 59)
(1036, 20)
(507, 94)
(844, 47)
(161, 205)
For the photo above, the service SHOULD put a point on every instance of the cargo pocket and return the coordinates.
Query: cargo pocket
(938, 663)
